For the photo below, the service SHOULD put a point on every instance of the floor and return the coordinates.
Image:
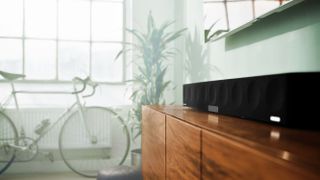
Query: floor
(51, 176)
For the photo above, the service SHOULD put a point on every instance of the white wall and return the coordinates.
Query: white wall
(194, 15)
(188, 14)
(161, 10)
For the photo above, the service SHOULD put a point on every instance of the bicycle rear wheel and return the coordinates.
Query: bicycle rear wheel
(100, 142)
(8, 135)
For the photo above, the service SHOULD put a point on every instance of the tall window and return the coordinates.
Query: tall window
(59, 39)
(230, 14)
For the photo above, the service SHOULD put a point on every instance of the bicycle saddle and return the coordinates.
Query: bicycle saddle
(11, 76)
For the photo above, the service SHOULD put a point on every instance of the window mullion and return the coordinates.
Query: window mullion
(90, 41)
(226, 14)
(57, 41)
(253, 9)
(23, 36)
(124, 16)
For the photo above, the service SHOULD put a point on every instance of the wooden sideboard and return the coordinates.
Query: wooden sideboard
(182, 143)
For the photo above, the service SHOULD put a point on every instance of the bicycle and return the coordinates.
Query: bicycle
(78, 133)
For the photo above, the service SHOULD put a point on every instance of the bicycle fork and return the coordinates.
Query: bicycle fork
(93, 139)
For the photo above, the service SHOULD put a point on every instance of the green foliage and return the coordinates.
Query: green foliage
(149, 83)
(208, 35)
(196, 65)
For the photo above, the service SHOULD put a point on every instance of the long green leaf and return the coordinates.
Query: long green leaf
(164, 86)
(174, 36)
(150, 22)
(165, 25)
(121, 52)
(137, 35)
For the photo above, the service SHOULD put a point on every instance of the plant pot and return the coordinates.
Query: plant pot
(136, 158)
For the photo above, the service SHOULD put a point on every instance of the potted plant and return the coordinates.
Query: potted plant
(153, 50)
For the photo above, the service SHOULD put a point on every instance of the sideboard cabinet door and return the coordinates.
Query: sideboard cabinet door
(153, 144)
(223, 158)
(183, 150)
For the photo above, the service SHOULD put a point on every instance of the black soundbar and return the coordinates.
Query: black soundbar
(290, 99)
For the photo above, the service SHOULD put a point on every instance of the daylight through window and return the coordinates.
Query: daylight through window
(59, 39)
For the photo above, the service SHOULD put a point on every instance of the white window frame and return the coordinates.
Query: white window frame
(126, 6)
(226, 9)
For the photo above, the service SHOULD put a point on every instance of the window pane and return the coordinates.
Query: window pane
(74, 19)
(11, 55)
(107, 21)
(239, 13)
(41, 18)
(264, 6)
(215, 12)
(40, 59)
(10, 17)
(73, 60)
(104, 67)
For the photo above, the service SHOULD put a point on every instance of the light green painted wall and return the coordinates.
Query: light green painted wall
(188, 14)
(283, 42)
(288, 41)
(162, 11)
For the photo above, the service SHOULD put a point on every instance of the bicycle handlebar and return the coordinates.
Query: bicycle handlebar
(74, 81)
(85, 82)
(93, 85)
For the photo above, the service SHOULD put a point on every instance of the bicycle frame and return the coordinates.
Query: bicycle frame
(17, 147)
(75, 107)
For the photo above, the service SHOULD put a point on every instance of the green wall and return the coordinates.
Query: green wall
(288, 41)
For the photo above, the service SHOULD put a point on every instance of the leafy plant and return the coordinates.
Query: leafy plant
(152, 51)
(197, 65)
(208, 34)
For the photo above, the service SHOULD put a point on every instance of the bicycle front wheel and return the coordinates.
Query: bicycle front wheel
(8, 135)
(100, 141)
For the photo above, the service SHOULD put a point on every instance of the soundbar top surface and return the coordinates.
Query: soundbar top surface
(264, 75)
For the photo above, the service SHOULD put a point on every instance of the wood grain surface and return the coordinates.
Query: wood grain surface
(184, 143)
(183, 150)
(301, 146)
(223, 158)
(153, 144)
